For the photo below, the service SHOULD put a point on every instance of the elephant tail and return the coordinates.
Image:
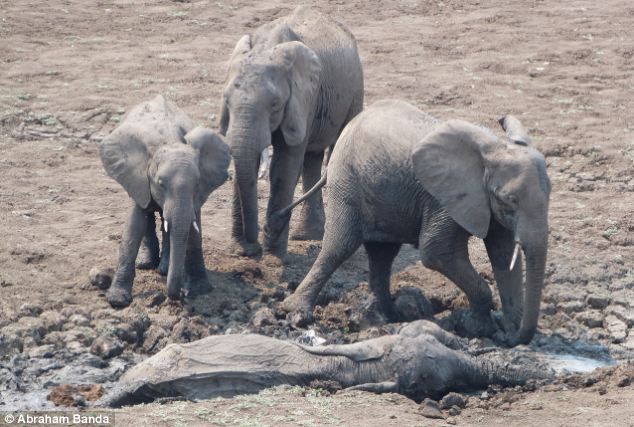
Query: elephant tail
(285, 212)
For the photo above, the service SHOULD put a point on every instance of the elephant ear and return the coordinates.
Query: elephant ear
(213, 160)
(303, 67)
(449, 163)
(514, 130)
(125, 158)
(241, 48)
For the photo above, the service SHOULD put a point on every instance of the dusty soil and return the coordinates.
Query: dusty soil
(70, 69)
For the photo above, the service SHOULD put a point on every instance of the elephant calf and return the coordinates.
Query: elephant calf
(169, 166)
(397, 175)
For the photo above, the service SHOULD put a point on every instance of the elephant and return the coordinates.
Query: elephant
(421, 360)
(398, 175)
(294, 84)
(169, 166)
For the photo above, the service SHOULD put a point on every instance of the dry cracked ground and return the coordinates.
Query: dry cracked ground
(69, 70)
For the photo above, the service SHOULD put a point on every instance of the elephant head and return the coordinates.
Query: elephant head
(485, 183)
(177, 175)
(268, 89)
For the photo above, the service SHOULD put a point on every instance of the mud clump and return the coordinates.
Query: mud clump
(101, 277)
(75, 395)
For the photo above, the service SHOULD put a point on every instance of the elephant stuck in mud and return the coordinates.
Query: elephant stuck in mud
(422, 360)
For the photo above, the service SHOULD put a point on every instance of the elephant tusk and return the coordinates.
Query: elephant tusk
(165, 225)
(515, 253)
(196, 227)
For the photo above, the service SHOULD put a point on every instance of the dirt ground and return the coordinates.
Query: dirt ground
(70, 69)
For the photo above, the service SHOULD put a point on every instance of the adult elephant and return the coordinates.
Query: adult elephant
(397, 175)
(294, 84)
(169, 166)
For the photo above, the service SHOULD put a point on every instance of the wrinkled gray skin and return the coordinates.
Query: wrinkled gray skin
(421, 361)
(294, 84)
(399, 176)
(168, 166)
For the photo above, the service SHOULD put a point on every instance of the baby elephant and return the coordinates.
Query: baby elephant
(399, 176)
(167, 166)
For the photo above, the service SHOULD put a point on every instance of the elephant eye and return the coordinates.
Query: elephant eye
(160, 182)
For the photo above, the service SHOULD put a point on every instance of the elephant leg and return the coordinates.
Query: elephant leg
(284, 174)
(165, 250)
(341, 239)
(500, 243)
(444, 248)
(311, 222)
(148, 257)
(381, 256)
(198, 282)
(120, 292)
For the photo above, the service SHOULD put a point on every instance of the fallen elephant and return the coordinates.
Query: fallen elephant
(421, 361)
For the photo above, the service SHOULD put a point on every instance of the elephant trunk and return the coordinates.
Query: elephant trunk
(535, 245)
(246, 146)
(180, 217)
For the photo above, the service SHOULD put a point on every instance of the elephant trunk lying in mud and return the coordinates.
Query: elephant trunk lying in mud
(420, 361)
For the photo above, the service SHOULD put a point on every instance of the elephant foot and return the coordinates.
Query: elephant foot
(147, 260)
(309, 230)
(469, 323)
(197, 286)
(119, 296)
(300, 311)
(241, 248)
(164, 266)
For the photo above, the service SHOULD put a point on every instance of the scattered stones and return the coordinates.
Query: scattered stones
(263, 317)
(33, 310)
(598, 301)
(616, 328)
(430, 409)
(453, 399)
(44, 351)
(590, 318)
(454, 411)
(106, 347)
(75, 395)
(101, 277)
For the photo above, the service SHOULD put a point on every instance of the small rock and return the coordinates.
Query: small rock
(453, 399)
(590, 318)
(101, 277)
(598, 301)
(617, 328)
(44, 351)
(623, 313)
(157, 298)
(451, 421)
(10, 344)
(430, 409)
(52, 320)
(263, 317)
(570, 307)
(624, 381)
(79, 320)
(484, 395)
(106, 347)
(32, 310)
(454, 411)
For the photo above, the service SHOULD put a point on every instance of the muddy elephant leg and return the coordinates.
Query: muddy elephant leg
(444, 248)
(198, 282)
(341, 239)
(311, 222)
(148, 257)
(120, 292)
(165, 250)
(284, 174)
(380, 257)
